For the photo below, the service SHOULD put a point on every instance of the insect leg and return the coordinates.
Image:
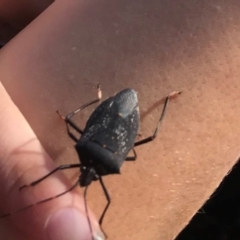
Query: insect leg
(69, 121)
(132, 158)
(151, 138)
(86, 209)
(108, 200)
(61, 167)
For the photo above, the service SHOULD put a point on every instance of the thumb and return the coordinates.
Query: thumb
(23, 160)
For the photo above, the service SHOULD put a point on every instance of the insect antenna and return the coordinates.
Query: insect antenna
(42, 201)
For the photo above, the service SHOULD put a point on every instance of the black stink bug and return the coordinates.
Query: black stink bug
(109, 135)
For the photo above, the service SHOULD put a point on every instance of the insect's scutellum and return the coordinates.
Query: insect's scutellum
(109, 135)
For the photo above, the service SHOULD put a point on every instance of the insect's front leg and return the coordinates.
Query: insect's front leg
(61, 167)
(108, 201)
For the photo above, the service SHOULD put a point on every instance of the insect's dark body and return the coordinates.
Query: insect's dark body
(110, 133)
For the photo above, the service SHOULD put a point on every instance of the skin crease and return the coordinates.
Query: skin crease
(155, 47)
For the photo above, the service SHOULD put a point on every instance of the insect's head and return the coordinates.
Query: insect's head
(88, 175)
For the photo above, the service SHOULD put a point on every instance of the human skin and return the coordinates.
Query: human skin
(63, 218)
(155, 47)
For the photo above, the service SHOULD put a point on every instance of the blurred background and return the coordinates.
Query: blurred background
(219, 217)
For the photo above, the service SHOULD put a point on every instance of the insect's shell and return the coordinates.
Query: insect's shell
(110, 133)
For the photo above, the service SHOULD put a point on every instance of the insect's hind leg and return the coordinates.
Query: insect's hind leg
(132, 158)
(61, 167)
(151, 138)
(69, 121)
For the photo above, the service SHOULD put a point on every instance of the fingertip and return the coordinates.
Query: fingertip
(70, 223)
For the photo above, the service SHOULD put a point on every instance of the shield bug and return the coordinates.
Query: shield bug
(109, 135)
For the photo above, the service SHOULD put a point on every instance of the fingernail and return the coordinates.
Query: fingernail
(69, 223)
